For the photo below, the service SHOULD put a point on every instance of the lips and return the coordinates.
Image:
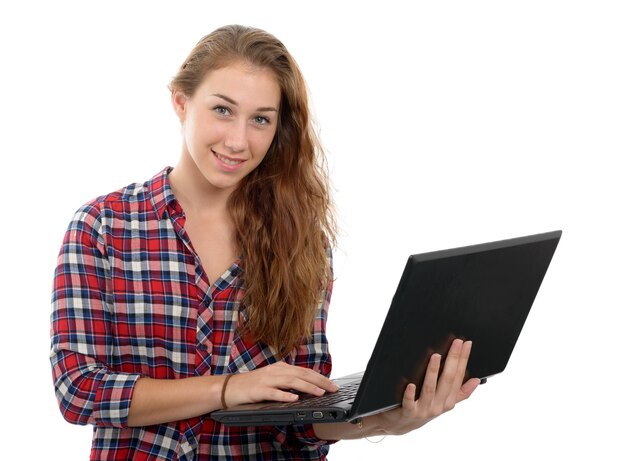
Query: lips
(228, 163)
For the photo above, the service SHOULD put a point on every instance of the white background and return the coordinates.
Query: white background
(449, 123)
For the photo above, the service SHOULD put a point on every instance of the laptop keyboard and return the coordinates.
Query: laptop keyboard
(345, 392)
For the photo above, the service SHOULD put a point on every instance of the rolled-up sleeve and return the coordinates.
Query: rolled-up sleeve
(88, 391)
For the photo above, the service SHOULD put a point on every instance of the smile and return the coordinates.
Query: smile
(227, 162)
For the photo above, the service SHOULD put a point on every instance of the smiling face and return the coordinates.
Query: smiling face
(228, 124)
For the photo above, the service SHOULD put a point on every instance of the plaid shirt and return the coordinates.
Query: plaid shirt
(131, 299)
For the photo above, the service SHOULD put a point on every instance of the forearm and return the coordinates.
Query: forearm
(157, 401)
(369, 427)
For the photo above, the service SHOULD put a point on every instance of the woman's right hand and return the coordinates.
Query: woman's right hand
(278, 382)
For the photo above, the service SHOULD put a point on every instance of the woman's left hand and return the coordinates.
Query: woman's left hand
(438, 395)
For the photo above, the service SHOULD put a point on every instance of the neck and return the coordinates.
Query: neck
(194, 192)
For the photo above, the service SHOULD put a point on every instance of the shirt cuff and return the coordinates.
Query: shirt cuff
(113, 397)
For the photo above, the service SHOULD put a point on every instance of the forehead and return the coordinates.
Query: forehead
(244, 83)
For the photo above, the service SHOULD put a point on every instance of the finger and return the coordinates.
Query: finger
(303, 380)
(303, 387)
(462, 364)
(317, 379)
(279, 395)
(429, 386)
(408, 399)
(446, 380)
(454, 396)
(468, 389)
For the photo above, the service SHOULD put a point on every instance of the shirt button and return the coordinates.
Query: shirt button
(202, 347)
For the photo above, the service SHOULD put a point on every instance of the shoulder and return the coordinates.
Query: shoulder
(113, 204)
(130, 203)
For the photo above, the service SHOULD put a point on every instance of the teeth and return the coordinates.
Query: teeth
(228, 161)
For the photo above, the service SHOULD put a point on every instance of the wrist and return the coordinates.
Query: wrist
(224, 403)
(212, 390)
(372, 426)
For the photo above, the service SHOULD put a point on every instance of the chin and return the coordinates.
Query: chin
(220, 184)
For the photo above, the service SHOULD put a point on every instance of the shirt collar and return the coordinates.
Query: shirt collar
(161, 195)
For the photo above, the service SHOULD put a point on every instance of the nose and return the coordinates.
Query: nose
(236, 136)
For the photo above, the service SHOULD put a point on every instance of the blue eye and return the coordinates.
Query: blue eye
(260, 120)
(221, 110)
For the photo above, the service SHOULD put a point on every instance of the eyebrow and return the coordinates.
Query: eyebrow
(234, 103)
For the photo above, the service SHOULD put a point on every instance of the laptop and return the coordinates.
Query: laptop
(481, 293)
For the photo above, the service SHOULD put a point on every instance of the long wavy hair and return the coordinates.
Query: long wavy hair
(282, 210)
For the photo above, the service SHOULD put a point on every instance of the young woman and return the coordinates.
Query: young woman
(208, 285)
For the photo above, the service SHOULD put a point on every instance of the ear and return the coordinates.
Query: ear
(179, 103)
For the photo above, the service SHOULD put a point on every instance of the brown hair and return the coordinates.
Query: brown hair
(282, 210)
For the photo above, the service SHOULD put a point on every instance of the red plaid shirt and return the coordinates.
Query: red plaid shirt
(131, 299)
